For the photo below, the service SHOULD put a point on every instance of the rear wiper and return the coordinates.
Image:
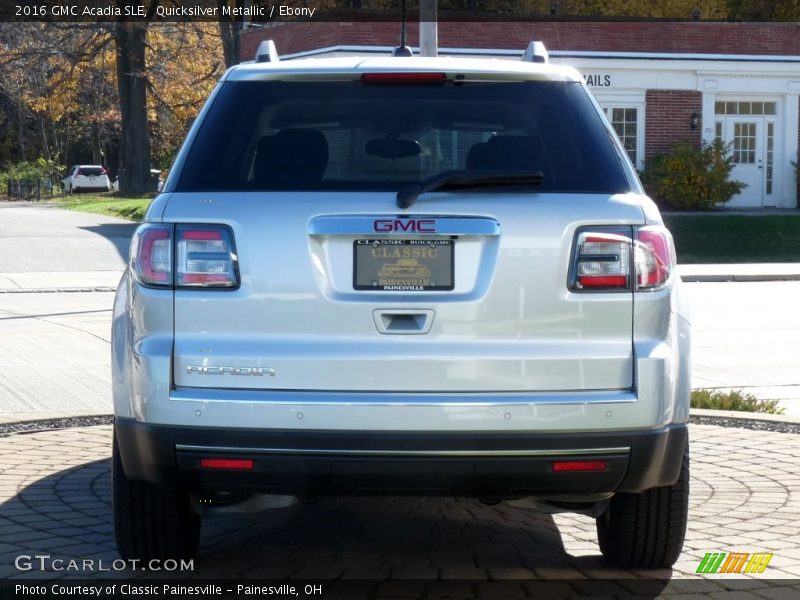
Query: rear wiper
(466, 179)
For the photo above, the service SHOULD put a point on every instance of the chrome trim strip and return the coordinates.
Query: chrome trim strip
(339, 452)
(353, 398)
(364, 225)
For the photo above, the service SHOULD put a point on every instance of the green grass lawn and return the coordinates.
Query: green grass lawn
(721, 238)
(107, 204)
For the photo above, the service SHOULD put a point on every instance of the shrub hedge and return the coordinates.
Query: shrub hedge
(692, 178)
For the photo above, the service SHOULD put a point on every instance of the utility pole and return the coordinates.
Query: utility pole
(428, 28)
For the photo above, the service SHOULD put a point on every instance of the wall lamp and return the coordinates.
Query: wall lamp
(695, 121)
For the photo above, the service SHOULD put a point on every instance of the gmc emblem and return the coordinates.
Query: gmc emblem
(406, 225)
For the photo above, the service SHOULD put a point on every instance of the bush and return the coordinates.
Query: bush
(733, 400)
(692, 178)
(30, 170)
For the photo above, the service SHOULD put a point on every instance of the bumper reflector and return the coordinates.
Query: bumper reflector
(579, 465)
(226, 463)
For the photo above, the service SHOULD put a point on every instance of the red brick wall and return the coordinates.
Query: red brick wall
(668, 117)
(690, 37)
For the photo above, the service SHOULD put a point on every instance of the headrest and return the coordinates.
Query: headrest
(507, 152)
(291, 158)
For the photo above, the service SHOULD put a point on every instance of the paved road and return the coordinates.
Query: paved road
(37, 238)
(747, 335)
(55, 354)
(54, 499)
(54, 347)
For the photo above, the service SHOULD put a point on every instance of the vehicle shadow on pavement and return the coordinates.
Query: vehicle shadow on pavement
(67, 515)
(119, 234)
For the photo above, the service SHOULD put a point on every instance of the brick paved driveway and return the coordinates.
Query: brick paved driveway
(54, 499)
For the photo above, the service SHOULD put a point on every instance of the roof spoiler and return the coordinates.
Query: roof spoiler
(536, 52)
(267, 52)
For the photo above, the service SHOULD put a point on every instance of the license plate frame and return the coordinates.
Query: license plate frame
(404, 265)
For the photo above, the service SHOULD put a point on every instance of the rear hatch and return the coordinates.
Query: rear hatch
(340, 289)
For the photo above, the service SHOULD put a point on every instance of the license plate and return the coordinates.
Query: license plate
(403, 265)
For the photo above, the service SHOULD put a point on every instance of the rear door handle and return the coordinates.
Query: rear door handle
(403, 321)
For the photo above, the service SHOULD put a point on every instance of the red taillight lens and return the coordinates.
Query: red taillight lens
(226, 463)
(602, 259)
(404, 78)
(205, 257)
(561, 466)
(654, 257)
(151, 254)
(103, 171)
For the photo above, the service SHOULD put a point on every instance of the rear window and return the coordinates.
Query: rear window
(93, 171)
(354, 136)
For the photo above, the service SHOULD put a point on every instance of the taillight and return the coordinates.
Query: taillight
(654, 257)
(394, 77)
(103, 171)
(78, 172)
(561, 466)
(151, 255)
(235, 464)
(601, 259)
(205, 257)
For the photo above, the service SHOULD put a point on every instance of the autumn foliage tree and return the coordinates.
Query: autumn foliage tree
(60, 96)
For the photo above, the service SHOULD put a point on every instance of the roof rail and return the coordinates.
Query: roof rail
(267, 52)
(536, 52)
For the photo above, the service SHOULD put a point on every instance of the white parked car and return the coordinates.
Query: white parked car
(385, 276)
(86, 178)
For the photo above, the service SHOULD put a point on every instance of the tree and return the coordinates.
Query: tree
(229, 29)
(184, 61)
(763, 10)
(130, 38)
(59, 78)
(60, 96)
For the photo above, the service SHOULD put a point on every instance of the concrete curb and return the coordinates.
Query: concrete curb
(700, 278)
(37, 282)
(746, 416)
(44, 416)
(60, 290)
(699, 273)
(8, 418)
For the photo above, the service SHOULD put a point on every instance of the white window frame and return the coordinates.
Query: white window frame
(608, 102)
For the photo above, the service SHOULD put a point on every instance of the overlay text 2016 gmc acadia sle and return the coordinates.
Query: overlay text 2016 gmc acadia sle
(402, 276)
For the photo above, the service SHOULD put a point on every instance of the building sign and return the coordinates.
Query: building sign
(598, 80)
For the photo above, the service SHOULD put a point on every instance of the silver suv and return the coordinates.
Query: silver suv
(402, 276)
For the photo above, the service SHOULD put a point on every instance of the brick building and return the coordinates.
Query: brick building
(659, 82)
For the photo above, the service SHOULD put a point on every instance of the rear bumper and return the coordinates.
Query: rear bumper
(91, 188)
(401, 463)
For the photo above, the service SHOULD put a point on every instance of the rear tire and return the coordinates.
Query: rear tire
(151, 522)
(646, 530)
